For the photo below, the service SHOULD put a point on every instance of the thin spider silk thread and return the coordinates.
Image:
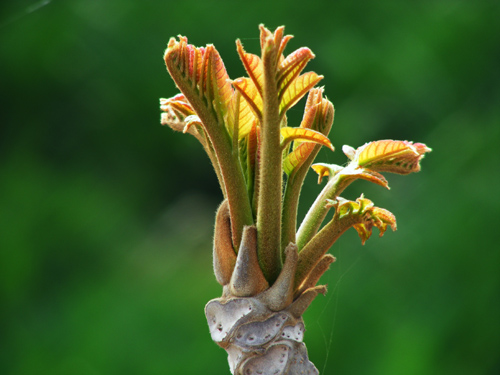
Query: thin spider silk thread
(335, 292)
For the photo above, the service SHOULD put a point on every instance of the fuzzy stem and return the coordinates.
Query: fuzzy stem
(312, 253)
(269, 199)
(318, 211)
(291, 200)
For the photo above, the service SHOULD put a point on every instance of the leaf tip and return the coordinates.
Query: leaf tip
(349, 151)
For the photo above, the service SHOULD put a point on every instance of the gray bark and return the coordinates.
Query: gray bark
(258, 340)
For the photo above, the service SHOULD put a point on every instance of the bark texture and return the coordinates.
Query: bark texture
(258, 340)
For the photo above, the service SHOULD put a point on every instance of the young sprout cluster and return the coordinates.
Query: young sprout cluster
(261, 255)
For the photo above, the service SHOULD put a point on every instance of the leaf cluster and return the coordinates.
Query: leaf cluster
(261, 163)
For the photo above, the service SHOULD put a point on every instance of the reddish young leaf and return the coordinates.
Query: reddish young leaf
(223, 91)
(278, 39)
(382, 218)
(252, 149)
(368, 216)
(295, 158)
(181, 57)
(325, 170)
(240, 113)
(304, 135)
(179, 115)
(375, 217)
(199, 72)
(297, 89)
(401, 157)
(284, 42)
(176, 107)
(253, 66)
(191, 121)
(248, 90)
(314, 98)
(278, 35)
(290, 67)
(329, 170)
(318, 113)
(318, 116)
(372, 176)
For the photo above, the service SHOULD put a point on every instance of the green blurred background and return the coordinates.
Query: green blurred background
(106, 217)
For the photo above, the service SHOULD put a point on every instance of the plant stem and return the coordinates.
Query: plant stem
(234, 181)
(291, 201)
(269, 199)
(314, 250)
(318, 211)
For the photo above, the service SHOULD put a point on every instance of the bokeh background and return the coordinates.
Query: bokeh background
(106, 217)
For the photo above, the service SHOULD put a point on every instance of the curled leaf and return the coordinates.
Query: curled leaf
(314, 97)
(178, 104)
(401, 157)
(323, 112)
(304, 135)
(349, 151)
(202, 77)
(190, 121)
(313, 277)
(348, 174)
(368, 216)
(180, 116)
(325, 170)
(318, 116)
(284, 41)
(224, 256)
(382, 218)
(372, 176)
